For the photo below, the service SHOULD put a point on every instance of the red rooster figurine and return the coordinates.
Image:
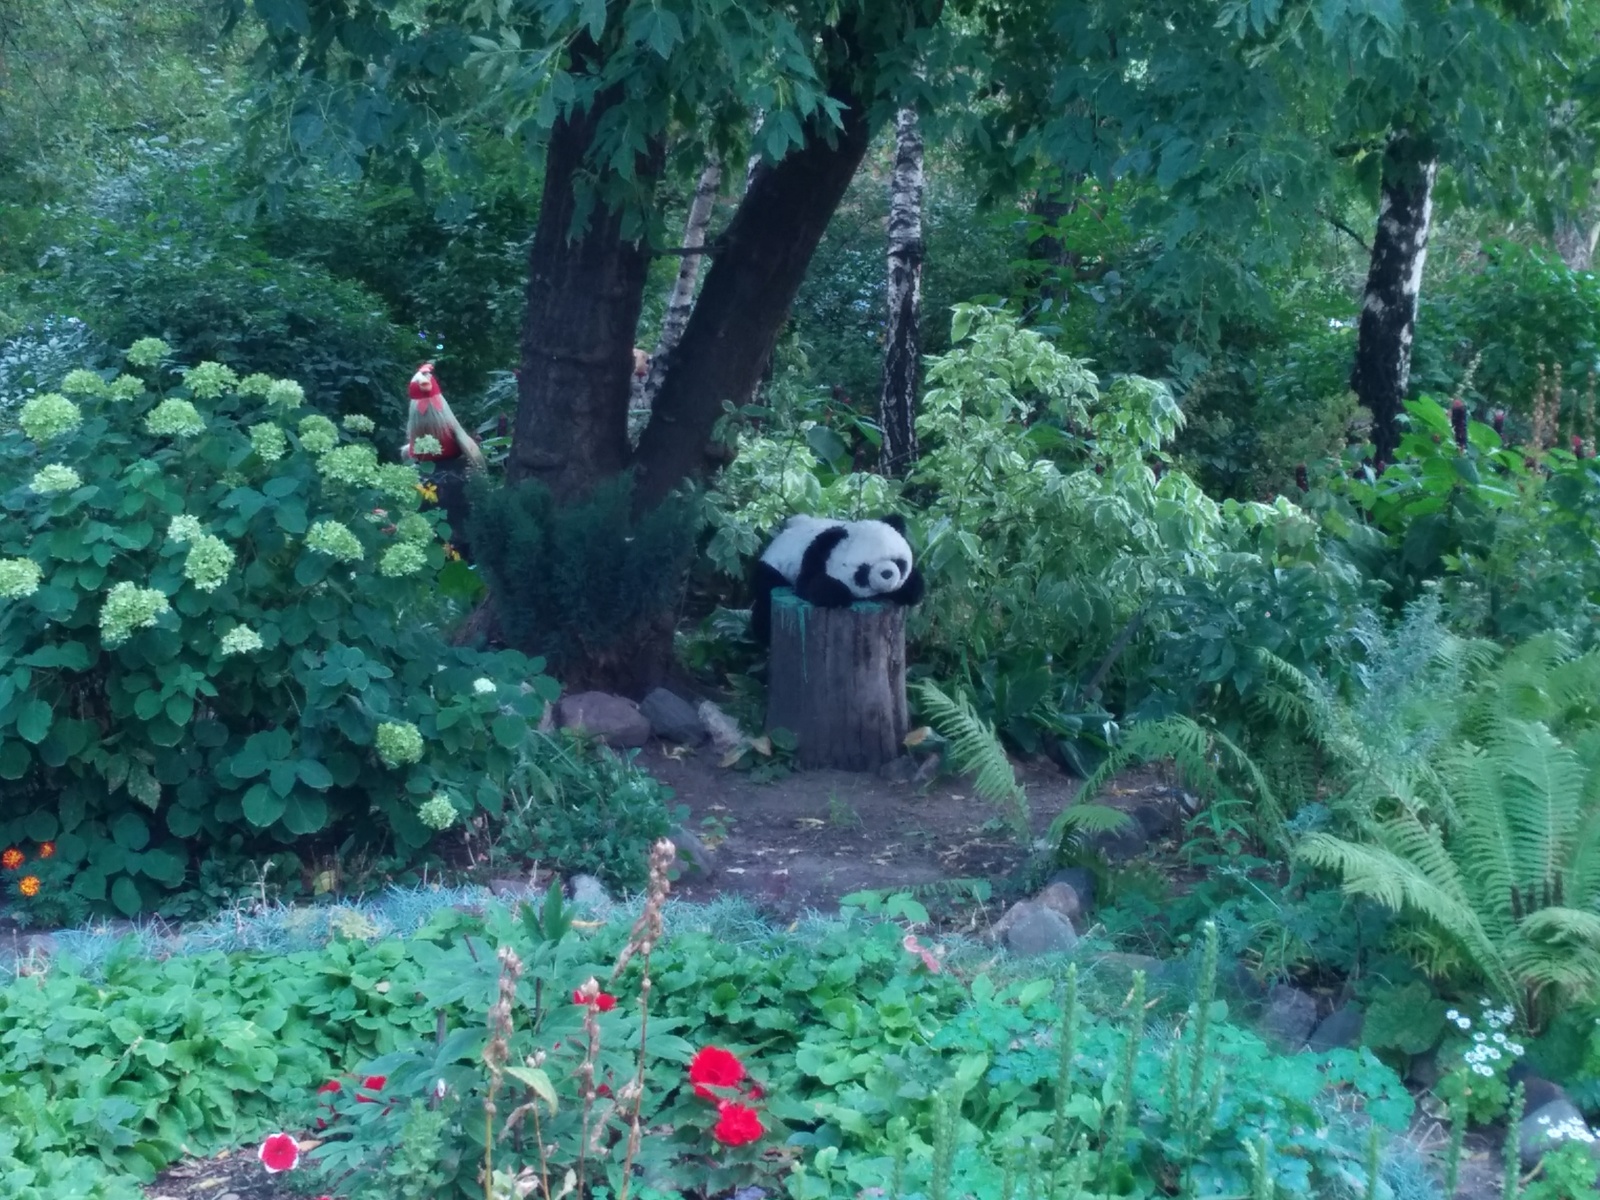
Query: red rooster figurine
(431, 417)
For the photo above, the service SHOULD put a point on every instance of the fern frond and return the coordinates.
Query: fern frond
(1088, 818)
(1392, 876)
(974, 747)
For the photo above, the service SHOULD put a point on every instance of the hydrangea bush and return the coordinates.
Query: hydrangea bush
(213, 633)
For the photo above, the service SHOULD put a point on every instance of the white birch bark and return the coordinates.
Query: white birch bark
(681, 303)
(902, 351)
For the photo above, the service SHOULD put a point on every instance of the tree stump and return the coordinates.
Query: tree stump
(836, 679)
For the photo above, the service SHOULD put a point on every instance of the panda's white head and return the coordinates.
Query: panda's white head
(873, 558)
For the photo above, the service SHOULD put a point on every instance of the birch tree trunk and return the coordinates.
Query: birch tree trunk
(1576, 234)
(1394, 281)
(681, 302)
(902, 351)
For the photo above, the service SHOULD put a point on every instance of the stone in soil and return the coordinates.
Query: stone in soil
(1080, 880)
(1031, 929)
(1063, 898)
(1290, 1017)
(614, 720)
(673, 719)
(1339, 1030)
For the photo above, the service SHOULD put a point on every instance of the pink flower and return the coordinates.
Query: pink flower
(912, 946)
(280, 1152)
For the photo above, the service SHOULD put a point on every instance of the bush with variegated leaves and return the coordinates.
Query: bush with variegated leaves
(219, 628)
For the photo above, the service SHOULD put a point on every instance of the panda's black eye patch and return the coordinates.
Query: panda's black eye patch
(901, 563)
(863, 573)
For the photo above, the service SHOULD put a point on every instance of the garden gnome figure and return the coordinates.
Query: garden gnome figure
(456, 452)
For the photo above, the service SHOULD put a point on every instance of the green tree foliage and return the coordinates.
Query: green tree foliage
(218, 628)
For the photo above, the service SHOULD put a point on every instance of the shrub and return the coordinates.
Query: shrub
(588, 585)
(200, 644)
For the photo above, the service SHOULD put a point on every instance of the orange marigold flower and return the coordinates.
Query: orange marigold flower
(47, 849)
(29, 885)
(12, 859)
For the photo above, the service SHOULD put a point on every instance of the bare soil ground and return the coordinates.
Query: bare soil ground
(806, 839)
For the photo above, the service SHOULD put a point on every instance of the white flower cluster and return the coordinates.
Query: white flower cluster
(1572, 1129)
(1491, 1046)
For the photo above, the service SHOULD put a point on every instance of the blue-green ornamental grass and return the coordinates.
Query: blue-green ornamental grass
(198, 645)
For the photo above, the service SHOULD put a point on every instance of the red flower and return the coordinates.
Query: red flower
(12, 859)
(603, 1001)
(737, 1125)
(714, 1068)
(47, 849)
(331, 1086)
(280, 1152)
(373, 1083)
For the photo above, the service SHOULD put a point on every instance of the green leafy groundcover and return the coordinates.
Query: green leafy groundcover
(106, 1074)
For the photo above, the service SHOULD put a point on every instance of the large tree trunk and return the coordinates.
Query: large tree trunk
(585, 290)
(681, 302)
(1394, 281)
(902, 350)
(760, 264)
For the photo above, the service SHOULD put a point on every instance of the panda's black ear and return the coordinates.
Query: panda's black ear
(896, 522)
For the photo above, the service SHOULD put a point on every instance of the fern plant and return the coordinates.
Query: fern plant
(975, 747)
(1511, 879)
(1199, 754)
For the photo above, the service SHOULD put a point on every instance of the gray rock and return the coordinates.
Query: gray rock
(1063, 898)
(1242, 979)
(612, 719)
(899, 770)
(1425, 1071)
(1035, 929)
(1127, 841)
(588, 892)
(1339, 1030)
(702, 858)
(1535, 1138)
(1158, 820)
(511, 889)
(1536, 1091)
(673, 719)
(1290, 1017)
(1080, 880)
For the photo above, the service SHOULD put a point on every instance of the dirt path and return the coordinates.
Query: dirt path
(808, 838)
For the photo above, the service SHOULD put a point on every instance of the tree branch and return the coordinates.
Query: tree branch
(1343, 228)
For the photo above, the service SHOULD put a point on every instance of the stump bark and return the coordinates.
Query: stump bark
(836, 679)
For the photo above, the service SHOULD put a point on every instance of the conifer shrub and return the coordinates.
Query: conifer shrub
(217, 632)
(590, 586)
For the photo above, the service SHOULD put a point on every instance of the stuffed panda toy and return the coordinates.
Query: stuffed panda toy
(832, 564)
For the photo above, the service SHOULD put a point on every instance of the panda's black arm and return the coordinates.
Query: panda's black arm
(910, 592)
(814, 585)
